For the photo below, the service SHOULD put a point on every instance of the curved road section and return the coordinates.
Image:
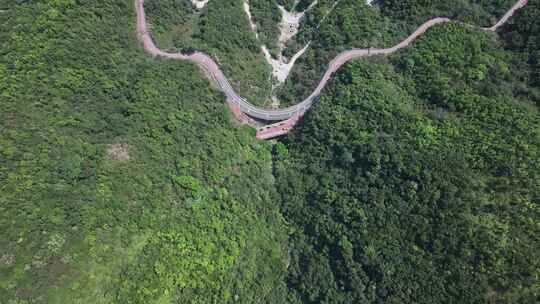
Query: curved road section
(212, 69)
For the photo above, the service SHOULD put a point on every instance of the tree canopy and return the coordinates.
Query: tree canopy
(415, 178)
(413, 181)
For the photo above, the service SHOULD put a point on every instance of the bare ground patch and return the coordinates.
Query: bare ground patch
(118, 152)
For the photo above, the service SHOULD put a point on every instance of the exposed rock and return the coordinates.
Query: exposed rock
(250, 18)
(280, 67)
(118, 152)
(290, 22)
(7, 259)
(199, 4)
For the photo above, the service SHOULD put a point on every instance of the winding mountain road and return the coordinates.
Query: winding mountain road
(213, 71)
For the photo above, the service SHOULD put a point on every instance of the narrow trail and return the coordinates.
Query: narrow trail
(212, 70)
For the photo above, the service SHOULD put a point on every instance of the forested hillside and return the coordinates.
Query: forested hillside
(220, 29)
(123, 178)
(417, 180)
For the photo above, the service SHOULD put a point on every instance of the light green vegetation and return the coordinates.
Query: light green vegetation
(187, 216)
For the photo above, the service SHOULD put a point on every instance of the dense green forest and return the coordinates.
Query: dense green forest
(417, 180)
(522, 36)
(124, 179)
